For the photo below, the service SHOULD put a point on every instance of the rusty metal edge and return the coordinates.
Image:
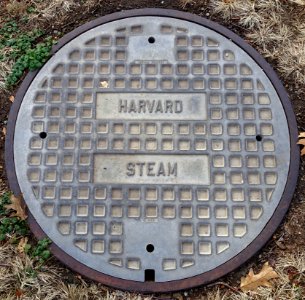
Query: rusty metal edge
(235, 262)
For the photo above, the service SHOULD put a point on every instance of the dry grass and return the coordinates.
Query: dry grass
(184, 3)
(276, 28)
(48, 10)
(20, 276)
(50, 282)
(5, 69)
(284, 288)
(16, 8)
(49, 13)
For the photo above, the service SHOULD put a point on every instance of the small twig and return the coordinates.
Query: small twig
(5, 265)
(225, 284)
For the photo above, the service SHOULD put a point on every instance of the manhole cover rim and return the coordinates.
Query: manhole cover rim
(229, 265)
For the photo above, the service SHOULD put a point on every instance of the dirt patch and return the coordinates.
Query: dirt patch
(59, 17)
(4, 110)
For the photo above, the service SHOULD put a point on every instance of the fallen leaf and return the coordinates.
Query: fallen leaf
(4, 131)
(104, 84)
(302, 135)
(12, 98)
(302, 142)
(21, 245)
(252, 282)
(19, 293)
(18, 206)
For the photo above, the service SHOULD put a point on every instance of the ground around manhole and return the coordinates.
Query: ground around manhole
(275, 28)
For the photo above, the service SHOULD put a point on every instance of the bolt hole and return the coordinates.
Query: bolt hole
(149, 275)
(150, 248)
(259, 137)
(151, 40)
(43, 135)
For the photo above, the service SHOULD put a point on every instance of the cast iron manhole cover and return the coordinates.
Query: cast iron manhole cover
(155, 149)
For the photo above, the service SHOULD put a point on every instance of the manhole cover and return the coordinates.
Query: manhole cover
(155, 149)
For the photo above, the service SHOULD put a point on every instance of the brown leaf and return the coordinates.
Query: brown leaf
(18, 206)
(12, 98)
(21, 245)
(301, 135)
(4, 131)
(301, 142)
(252, 282)
(19, 293)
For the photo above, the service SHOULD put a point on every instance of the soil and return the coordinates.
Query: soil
(290, 236)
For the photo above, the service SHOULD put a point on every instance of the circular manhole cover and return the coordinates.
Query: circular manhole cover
(155, 149)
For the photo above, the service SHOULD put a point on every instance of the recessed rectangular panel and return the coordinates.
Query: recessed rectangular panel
(151, 106)
(151, 169)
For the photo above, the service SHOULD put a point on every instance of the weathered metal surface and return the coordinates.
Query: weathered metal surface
(152, 149)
